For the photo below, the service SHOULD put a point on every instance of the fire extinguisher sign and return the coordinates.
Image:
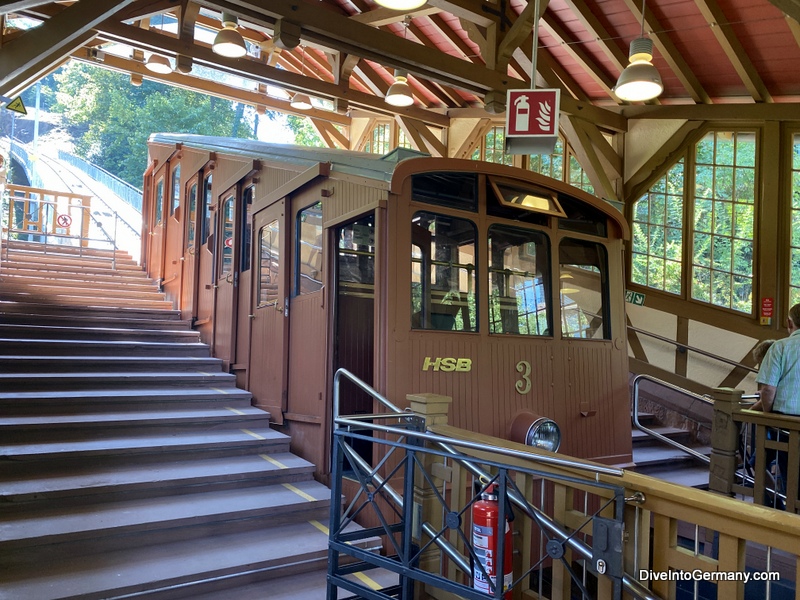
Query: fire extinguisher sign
(532, 113)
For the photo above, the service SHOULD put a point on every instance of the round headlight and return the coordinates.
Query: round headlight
(536, 431)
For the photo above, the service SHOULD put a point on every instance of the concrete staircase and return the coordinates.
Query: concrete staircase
(130, 464)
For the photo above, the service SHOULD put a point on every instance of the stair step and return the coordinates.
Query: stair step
(663, 455)
(92, 321)
(111, 574)
(689, 476)
(30, 307)
(93, 301)
(79, 282)
(106, 380)
(211, 417)
(81, 364)
(88, 291)
(96, 333)
(92, 522)
(42, 483)
(640, 438)
(10, 346)
(20, 246)
(78, 272)
(131, 399)
(236, 441)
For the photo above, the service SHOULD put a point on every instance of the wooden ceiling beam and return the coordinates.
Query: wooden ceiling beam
(54, 39)
(379, 17)
(599, 33)
(337, 31)
(458, 43)
(734, 50)
(330, 134)
(777, 111)
(579, 55)
(788, 7)
(575, 132)
(213, 88)
(423, 138)
(261, 72)
(520, 30)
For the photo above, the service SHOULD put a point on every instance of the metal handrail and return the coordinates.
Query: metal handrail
(692, 349)
(445, 443)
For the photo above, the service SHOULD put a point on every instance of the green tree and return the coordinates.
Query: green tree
(304, 132)
(113, 119)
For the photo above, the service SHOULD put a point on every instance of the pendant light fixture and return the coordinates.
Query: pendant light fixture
(301, 101)
(229, 42)
(401, 4)
(399, 93)
(640, 80)
(158, 63)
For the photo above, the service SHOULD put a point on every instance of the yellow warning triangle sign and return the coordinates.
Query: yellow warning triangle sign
(17, 106)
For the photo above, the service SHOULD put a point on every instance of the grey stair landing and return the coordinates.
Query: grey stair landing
(655, 458)
(130, 464)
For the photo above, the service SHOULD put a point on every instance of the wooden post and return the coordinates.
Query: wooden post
(724, 440)
(434, 408)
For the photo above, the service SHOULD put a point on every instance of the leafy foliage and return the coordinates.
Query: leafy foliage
(304, 132)
(113, 119)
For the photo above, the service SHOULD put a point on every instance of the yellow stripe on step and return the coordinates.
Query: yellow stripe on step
(219, 391)
(321, 527)
(368, 580)
(235, 410)
(255, 435)
(277, 463)
(299, 492)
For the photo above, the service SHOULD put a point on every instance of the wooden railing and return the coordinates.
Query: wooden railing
(740, 434)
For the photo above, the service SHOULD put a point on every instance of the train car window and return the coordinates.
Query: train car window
(205, 210)
(308, 251)
(519, 281)
(527, 198)
(453, 190)
(356, 259)
(268, 264)
(176, 189)
(582, 218)
(226, 227)
(443, 282)
(583, 287)
(159, 200)
(191, 217)
(246, 229)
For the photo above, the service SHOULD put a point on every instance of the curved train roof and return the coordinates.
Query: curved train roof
(364, 164)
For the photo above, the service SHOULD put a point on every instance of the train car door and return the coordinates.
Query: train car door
(205, 258)
(227, 275)
(156, 243)
(307, 327)
(189, 262)
(267, 379)
(173, 235)
(354, 323)
(241, 346)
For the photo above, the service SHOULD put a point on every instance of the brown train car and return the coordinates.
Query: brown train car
(493, 285)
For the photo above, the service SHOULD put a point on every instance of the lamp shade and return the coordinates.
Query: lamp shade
(158, 64)
(301, 102)
(639, 81)
(399, 93)
(230, 43)
(401, 4)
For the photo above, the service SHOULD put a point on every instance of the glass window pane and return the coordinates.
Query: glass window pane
(268, 264)
(583, 281)
(226, 249)
(159, 200)
(443, 279)
(309, 250)
(191, 217)
(176, 188)
(519, 281)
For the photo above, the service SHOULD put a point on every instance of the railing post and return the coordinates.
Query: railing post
(435, 409)
(724, 440)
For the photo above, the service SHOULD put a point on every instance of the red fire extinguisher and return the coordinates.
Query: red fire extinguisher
(486, 543)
